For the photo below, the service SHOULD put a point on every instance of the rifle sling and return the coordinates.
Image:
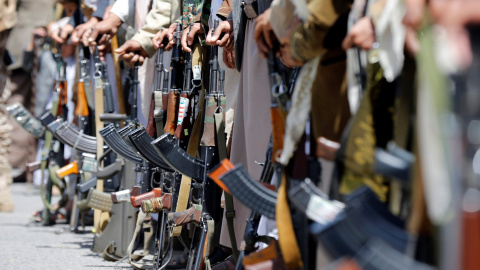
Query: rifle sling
(229, 207)
(286, 234)
(158, 112)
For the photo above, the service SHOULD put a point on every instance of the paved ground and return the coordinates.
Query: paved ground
(26, 245)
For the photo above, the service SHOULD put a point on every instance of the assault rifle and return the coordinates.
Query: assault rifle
(52, 153)
(175, 83)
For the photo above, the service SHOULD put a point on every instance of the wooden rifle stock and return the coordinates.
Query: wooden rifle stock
(62, 96)
(172, 111)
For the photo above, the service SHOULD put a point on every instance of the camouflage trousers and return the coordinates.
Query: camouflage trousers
(6, 203)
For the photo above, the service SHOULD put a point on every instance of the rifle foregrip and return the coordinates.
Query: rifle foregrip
(82, 105)
(68, 169)
(155, 205)
(84, 187)
(172, 110)
(124, 195)
(151, 125)
(278, 131)
(192, 214)
(137, 200)
(110, 170)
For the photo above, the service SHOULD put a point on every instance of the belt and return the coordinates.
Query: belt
(250, 7)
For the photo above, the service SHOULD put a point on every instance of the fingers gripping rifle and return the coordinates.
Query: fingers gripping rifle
(187, 103)
(210, 146)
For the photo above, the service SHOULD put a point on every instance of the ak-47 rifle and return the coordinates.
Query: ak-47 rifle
(52, 153)
(175, 83)
(155, 116)
(81, 111)
(187, 105)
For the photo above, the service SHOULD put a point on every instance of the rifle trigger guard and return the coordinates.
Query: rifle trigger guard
(195, 84)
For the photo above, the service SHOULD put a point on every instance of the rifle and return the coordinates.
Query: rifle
(175, 82)
(187, 105)
(52, 153)
(155, 118)
(81, 111)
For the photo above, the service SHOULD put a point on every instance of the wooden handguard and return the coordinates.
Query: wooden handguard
(62, 96)
(172, 110)
(192, 214)
(137, 200)
(81, 110)
(124, 195)
(222, 168)
(278, 131)
(151, 126)
(71, 168)
(156, 205)
(326, 149)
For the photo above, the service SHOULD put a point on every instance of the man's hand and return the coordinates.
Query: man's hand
(361, 35)
(132, 52)
(106, 29)
(82, 28)
(225, 27)
(263, 34)
(285, 55)
(189, 35)
(161, 35)
(62, 38)
(229, 58)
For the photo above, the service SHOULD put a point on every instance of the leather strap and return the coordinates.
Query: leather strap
(108, 253)
(208, 242)
(118, 75)
(268, 253)
(229, 206)
(286, 234)
(133, 258)
(97, 214)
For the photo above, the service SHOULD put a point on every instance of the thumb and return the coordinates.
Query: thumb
(122, 49)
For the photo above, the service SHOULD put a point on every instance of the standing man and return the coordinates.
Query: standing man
(31, 13)
(8, 19)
